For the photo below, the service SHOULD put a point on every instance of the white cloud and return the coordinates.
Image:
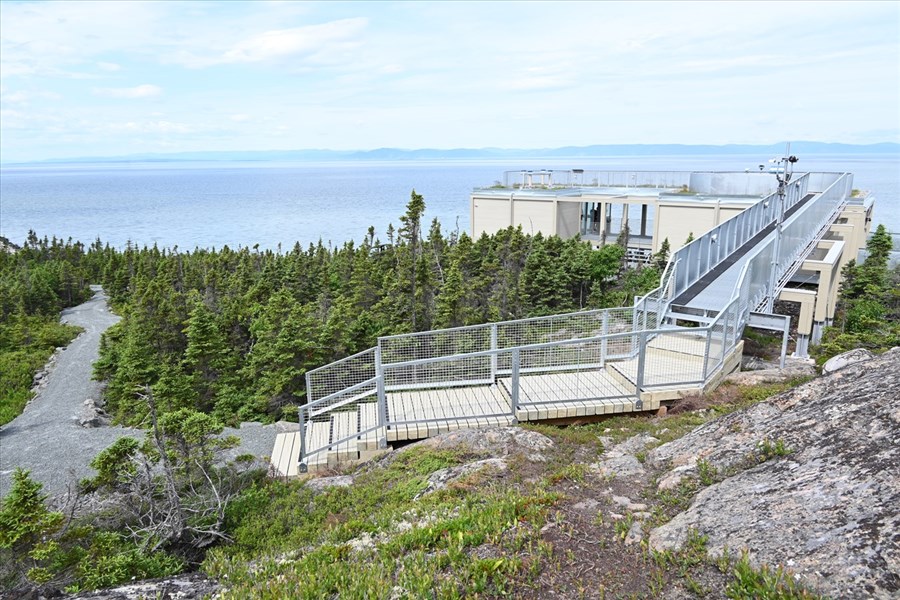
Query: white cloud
(308, 40)
(140, 91)
(149, 127)
(109, 67)
(239, 118)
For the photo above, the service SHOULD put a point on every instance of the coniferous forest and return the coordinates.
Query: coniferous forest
(231, 332)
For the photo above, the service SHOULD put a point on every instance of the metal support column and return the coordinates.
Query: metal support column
(514, 384)
(382, 399)
(494, 355)
(639, 378)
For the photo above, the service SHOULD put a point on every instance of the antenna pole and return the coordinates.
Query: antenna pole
(784, 169)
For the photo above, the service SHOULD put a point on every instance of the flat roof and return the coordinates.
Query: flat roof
(666, 194)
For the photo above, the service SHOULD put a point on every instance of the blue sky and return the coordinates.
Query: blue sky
(116, 78)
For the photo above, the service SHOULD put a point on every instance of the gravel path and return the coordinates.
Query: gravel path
(47, 439)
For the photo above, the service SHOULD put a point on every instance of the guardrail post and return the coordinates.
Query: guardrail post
(725, 336)
(382, 398)
(514, 392)
(494, 355)
(706, 353)
(302, 467)
(604, 331)
(639, 383)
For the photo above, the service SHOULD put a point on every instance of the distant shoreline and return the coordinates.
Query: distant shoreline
(492, 154)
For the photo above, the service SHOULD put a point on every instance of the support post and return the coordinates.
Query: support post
(784, 341)
(514, 392)
(603, 343)
(706, 353)
(639, 383)
(302, 466)
(494, 355)
(382, 398)
(724, 338)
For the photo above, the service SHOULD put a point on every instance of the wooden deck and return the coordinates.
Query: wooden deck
(352, 432)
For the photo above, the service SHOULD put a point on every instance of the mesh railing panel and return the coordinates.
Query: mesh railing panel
(453, 370)
(480, 338)
(340, 375)
(432, 344)
(674, 357)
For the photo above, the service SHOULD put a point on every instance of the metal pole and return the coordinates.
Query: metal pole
(706, 353)
(604, 331)
(382, 398)
(784, 341)
(724, 338)
(514, 392)
(302, 467)
(639, 383)
(494, 355)
(773, 277)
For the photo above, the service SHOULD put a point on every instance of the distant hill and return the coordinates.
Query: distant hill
(401, 154)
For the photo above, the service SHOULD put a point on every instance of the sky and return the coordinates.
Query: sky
(111, 78)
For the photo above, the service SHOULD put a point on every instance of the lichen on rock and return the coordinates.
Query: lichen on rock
(825, 504)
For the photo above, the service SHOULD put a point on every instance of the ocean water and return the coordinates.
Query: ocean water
(209, 205)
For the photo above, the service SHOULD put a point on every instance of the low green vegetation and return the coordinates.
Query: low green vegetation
(750, 583)
(868, 312)
(26, 343)
(36, 283)
(39, 546)
(382, 537)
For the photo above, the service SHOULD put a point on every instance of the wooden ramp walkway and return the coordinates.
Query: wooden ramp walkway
(353, 435)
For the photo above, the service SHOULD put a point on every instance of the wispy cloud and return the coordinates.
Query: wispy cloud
(298, 40)
(139, 91)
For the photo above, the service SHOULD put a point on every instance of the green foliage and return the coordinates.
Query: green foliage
(28, 342)
(767, 450)
(233, 332)
(764, 584)
(370, 538)
(38, 544)
(868, 314)
(24, 519)
(111, 558)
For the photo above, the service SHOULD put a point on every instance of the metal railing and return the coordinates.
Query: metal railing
(705, 253)
(410, 382)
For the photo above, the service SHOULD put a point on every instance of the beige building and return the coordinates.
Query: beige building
(654, 206)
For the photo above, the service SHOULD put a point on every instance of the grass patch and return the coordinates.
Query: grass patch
(21, 360)
(771, 584)
(373, 538)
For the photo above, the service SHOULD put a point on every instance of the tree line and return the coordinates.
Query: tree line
(232, 332)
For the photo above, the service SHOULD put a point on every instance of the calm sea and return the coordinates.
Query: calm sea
(210, 205)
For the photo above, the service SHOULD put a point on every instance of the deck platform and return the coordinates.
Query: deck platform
(351, 433)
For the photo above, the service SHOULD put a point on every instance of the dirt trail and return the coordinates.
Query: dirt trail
(47, 439)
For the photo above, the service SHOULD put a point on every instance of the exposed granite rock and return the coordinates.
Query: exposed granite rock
(490, 441)
(320, 484)
(760, 372)
(826, 508)
(444, 477)
(620, 460)
(835, 363)
(184, 587)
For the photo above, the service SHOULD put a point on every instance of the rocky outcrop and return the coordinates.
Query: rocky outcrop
(836, 363)
(808, 481)
(491, 441)
(757, 372)
(184, 587)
